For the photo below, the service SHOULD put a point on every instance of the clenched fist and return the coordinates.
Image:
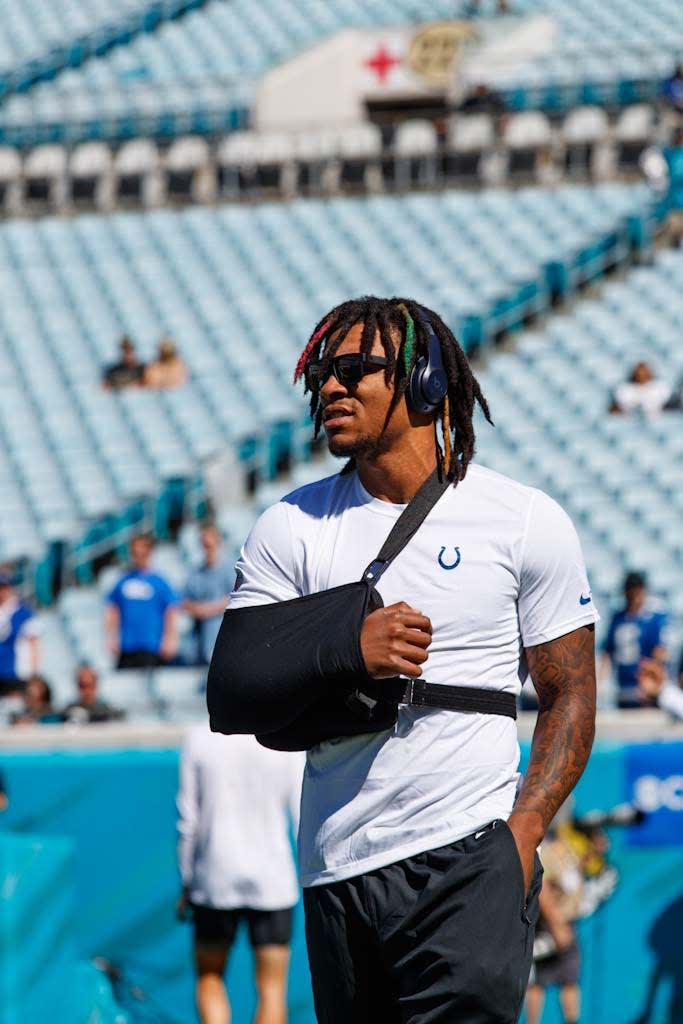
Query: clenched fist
(394, 641)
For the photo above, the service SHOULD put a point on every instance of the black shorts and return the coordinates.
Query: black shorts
(559, 968)
(139, 659)
(214, 927)
(444, 936)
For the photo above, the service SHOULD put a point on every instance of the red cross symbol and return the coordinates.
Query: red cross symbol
(382, 62)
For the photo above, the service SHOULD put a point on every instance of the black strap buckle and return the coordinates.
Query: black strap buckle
(415, 693)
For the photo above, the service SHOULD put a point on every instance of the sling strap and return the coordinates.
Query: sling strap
(407, 524)
(422, 694)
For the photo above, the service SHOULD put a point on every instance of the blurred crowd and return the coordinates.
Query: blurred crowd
(141, 629)
(141, 613)
(87, 706)
(167, 370)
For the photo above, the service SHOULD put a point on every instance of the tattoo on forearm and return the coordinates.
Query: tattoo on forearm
(563, 673)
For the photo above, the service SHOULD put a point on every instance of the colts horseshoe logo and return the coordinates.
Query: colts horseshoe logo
(451, 565)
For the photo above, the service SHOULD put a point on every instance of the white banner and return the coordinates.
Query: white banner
(332, 82)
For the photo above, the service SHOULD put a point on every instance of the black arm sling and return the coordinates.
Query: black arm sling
(293, 673)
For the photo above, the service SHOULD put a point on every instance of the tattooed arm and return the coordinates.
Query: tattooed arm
(563, 673)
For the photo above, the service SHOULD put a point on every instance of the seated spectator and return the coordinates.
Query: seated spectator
(89, 707)
(168, 370)
(638, 631)
(642, 392)
(206, 593)
(141, 626)
(18, 633)
(128, 372)
(37, 708)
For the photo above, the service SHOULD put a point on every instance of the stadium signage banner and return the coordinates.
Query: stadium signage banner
(447, 55)
(332, 83)
(654, 783)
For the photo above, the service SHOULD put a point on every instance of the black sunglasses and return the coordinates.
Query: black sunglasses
(347, 369)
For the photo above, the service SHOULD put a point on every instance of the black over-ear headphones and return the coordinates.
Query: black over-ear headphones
(428, 384)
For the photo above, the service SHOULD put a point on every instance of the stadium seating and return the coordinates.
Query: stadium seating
(39, 40)
(620, 478)
(198, 74)
(259, 278)
(145, 173)
(238, 289)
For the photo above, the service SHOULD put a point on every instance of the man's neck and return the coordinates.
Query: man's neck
(396, 476)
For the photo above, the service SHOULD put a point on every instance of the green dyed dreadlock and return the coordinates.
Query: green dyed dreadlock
(403, 318)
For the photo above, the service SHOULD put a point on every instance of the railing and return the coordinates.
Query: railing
(180, 501)
(166, 124)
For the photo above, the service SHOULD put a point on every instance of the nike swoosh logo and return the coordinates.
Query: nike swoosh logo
(585, 600)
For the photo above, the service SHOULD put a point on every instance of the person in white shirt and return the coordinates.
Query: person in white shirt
(642, 392)
(236, 802)
(420, 879)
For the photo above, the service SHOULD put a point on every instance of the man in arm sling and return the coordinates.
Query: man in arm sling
(385, 619)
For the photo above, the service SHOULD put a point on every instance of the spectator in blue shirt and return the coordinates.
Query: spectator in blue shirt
(206, 593)
(18, 626)
(141, 626)
(637, 631)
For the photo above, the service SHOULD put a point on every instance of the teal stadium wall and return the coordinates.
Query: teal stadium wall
(37, 954)
(104, 883)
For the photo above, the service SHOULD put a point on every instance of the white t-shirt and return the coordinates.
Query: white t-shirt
(235, 803)
(649, 398)
(496, 566)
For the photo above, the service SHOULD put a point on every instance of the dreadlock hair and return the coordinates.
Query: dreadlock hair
(403, 320)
